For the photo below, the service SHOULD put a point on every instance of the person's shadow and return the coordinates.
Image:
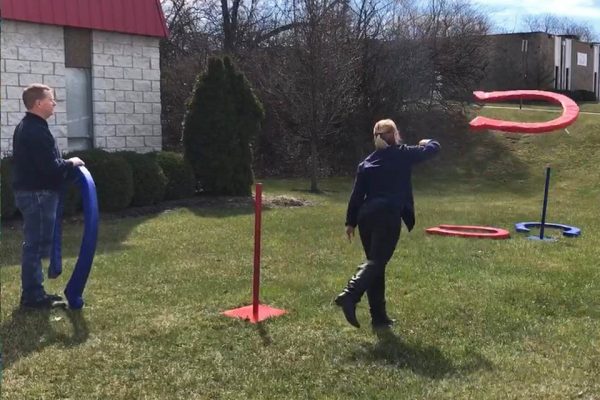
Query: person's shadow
(28, 331)
(424, 360)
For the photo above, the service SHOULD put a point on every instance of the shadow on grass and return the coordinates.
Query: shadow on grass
(112, 233)
(29, 331)
(321, 192)
(225, 210)
(423, 360)
(264, 335)
(116, 227)
(483, 161)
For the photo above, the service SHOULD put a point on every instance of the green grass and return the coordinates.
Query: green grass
(583, 106)
(590, 107)
(477, 319)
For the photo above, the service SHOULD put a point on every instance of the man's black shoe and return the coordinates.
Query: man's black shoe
(45, 302)
(54, 297)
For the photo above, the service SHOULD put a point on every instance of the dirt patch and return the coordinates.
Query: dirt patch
(287, 201)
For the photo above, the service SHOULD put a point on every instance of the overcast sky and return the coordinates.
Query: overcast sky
(508, 15)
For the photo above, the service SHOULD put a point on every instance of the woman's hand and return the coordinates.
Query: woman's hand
(349, 232)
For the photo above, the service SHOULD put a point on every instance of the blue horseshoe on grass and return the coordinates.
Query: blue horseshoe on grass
(76, 285)
(567, 230)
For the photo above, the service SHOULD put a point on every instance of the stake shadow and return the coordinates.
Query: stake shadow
(264, 334)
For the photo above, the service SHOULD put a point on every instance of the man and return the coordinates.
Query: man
(38, 174)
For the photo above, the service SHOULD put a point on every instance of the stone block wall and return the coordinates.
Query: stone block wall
(126, 94)
(125, 85)
(30, 53)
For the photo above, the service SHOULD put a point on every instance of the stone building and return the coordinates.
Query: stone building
(537, 60)
(102, 59)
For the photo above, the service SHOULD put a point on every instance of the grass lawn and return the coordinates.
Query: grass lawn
(477, 319)
(584, 106)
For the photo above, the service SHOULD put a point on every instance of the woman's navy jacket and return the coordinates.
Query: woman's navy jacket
(384, 177)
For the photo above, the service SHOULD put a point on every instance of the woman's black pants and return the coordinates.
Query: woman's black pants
(379, 231)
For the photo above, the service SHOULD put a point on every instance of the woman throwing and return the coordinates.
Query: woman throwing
(381, 198)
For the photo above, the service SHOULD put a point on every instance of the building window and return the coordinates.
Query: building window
(78, 78)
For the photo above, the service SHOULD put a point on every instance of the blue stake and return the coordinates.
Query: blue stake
(545, 202)
(83, 266)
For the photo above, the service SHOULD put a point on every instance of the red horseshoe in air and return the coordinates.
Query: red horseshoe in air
(569, 114)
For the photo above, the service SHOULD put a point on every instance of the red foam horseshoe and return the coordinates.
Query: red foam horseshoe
(568, 116)
(483, 232)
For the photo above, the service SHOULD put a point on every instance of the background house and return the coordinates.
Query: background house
(102, 57)
(537, 60)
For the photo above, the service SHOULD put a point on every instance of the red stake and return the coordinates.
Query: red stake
(256, 312)
(257, 228)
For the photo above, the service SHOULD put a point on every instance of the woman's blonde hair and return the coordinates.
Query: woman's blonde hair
(383, 132)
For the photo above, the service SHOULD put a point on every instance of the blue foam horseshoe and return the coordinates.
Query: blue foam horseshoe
(79, 277)
(567, 230)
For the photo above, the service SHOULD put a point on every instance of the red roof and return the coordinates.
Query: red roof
(138, 17)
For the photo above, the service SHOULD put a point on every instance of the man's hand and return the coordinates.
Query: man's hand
(424, 142)
(77, 162)
(349, 232)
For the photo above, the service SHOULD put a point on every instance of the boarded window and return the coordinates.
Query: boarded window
(79, 108)
(78, 48)
(78, 78)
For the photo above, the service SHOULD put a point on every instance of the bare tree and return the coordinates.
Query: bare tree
(310, 76)
(451, 36)
(242, 25)
(549, 23)
(183, 54)
(327, 69)
(369, 21)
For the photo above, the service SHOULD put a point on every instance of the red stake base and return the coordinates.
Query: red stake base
(246, 312)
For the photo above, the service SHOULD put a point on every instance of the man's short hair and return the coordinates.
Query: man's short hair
(33, 93)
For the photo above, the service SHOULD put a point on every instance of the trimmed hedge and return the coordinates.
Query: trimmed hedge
(122, 179)
(222, 121)
(113, 177)
(149, 180)
(181, 182)
(72, 201)
(7, 200)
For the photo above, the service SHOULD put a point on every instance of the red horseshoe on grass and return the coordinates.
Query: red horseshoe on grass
(469, 231)
(568, 116)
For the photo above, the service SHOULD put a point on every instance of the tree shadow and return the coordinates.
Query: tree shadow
(320, 192)
(421, 359)
(29, 331)
(109, 240)
(225, 210)
(112, 240)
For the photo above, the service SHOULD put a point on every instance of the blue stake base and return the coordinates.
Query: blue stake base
(545, 239)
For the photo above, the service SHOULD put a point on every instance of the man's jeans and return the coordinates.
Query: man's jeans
(39, 214)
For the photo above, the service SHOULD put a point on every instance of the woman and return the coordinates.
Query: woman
(380, 200)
